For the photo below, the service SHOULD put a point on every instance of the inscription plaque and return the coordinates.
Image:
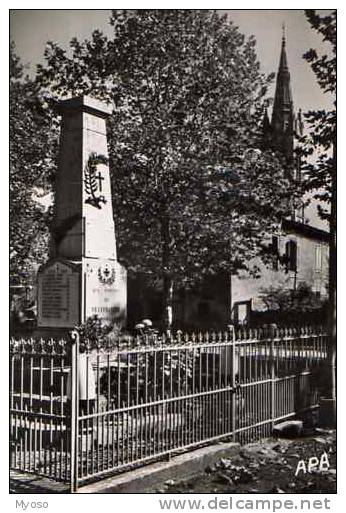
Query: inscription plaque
(58, 296)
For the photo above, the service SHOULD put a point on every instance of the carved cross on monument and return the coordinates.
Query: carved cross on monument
(100, 178)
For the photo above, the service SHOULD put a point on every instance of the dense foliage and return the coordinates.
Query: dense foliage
(321, 138)
(192, 192)
(32, 164)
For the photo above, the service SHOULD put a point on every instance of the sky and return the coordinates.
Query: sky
(31, 29)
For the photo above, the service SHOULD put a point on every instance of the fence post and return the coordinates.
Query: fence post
(271, 333)
(74, 335)
(233, 370)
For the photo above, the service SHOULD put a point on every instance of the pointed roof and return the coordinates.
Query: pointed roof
(283, 95)
(283, 57)
(283, 115)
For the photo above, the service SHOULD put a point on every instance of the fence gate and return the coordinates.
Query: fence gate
(82, 410)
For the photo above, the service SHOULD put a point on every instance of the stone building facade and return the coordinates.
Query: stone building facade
(302, 261)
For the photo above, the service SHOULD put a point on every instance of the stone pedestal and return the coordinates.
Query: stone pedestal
(82, 277)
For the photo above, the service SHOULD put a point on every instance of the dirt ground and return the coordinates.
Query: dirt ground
(270, 466)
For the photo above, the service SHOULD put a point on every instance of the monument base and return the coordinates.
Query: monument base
(70, 292)
(104, 291)
(54, 333)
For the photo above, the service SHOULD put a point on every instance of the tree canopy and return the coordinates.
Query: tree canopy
(32, 164)
(193, 193)
(322, 123)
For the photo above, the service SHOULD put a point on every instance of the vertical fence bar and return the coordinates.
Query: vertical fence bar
(146, 375)
(63, 424)
(155, 375)
(98, 409)
(41, 411)
(31, 379)
(233, 371)
(272, 329)
(13, 418)
(51, 400)
(193, 433)
(74, 411)
(22, 421)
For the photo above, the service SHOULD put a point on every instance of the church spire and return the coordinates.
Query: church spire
(283, 66)
(283, 117)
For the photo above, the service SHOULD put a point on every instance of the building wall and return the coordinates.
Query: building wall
(312, 269)
(213, 304)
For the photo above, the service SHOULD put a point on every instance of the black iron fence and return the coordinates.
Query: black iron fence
(81, 410)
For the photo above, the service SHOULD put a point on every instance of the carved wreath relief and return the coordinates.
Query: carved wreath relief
(93, 180)
(106, 274)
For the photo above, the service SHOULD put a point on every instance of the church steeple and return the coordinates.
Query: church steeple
(283, 116)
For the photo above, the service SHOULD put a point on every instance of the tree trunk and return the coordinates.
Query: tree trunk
(328, 406)
(168, 286)
(332, 284)
(168, 303)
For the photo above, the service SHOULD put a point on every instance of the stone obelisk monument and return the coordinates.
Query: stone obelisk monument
(82, 277)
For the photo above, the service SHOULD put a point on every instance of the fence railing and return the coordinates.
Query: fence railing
(83, 409)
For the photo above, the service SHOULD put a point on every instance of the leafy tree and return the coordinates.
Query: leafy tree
(321, 174)
(192, 193)
(31, 164)
(321, 138)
